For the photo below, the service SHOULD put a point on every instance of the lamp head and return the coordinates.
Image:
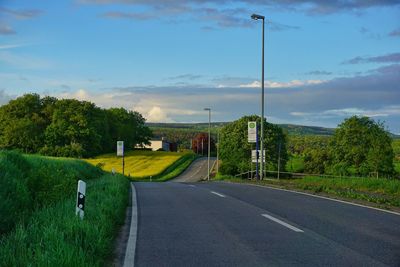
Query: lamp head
(257, 17)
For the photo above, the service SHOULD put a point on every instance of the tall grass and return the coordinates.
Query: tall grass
(32, 182)
(381, 191)
(37, 212)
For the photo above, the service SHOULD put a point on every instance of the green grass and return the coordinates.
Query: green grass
(49, 233)
(176, 168)
(397, 166)
(385, 192)
(139, 164)
(295, 164)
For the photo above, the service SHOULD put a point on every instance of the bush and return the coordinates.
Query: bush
(228, 168)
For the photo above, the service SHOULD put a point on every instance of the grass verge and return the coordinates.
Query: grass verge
(383, 193)
(176, 168)
(49, 233)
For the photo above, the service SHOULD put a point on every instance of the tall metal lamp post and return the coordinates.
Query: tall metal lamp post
(259, 17)
(209, 141)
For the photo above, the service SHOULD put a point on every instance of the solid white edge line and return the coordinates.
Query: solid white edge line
(291, 227)
(327, 198)
(131, 246)
(218, 194)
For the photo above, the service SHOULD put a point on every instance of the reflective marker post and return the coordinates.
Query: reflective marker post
(80, 199)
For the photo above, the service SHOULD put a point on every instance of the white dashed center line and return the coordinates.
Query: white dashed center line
(218, 194)
(291, 227)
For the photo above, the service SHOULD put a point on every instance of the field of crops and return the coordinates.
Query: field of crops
(139, 163)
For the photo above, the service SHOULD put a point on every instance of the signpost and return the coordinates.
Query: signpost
(256, 157)
(80, 199)
(252, 131)
(252, 137)
(120, 153)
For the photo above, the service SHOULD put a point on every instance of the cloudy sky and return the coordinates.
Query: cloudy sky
(168, 59)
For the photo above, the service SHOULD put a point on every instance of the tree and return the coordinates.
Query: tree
(200, 144)
(235, 150)
(361, 146)
(68, 127)
(73, 127)
(22, 123)
(315, 160)
(128, 126)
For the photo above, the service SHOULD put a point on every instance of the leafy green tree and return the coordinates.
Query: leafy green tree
(128, 126)
(361, 146)
(315, 160)
(74, 125)
(22, 124)
(235, 150)
(68, 127)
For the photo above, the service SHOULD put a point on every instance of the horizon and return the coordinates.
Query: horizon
(324, 62)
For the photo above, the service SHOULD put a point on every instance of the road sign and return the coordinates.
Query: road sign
(80, 199)
(120, 148)
(254, 156)
(252, 131)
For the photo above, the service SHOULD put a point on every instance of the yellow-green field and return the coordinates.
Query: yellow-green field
(138, 163)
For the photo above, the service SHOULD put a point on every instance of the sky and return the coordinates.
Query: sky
(169, 59)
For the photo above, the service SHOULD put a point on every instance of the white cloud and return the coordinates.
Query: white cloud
(272, 84)
(156, 114)
(10, 46)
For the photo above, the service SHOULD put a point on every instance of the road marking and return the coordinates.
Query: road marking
(131, 246)
(291, 227)
(218, 194)
(191, 185)
(327, 198)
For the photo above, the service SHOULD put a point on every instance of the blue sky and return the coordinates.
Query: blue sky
(324, 60)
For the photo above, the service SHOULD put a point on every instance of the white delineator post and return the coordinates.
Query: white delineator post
(80, 199)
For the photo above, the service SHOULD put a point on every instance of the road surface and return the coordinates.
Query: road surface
(196, 171)
(224, 224)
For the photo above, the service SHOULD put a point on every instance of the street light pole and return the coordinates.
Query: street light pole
(218, 151)
(209, 142)
(257, 17)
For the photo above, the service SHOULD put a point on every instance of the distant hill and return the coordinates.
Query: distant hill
(307, 130)
(291, 129)
(203, 127)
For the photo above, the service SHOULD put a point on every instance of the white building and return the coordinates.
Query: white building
(158, 144)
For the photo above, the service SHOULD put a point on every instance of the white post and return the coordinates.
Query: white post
(80, 199)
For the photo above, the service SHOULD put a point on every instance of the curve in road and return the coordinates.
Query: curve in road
(197, 171)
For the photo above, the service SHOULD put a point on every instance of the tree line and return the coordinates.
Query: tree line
(359, 147)
(68, 127)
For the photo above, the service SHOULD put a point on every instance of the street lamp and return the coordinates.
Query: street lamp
(257, 17)
(209, 132)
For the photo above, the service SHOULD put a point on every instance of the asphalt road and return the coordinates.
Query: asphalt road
(223, 224)
(196, 171)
